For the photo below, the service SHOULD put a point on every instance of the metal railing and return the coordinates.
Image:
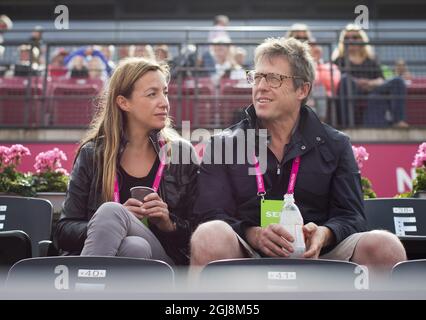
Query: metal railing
(207, 105)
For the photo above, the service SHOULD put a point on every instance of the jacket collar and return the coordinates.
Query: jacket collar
(154, 136)
(309, 131)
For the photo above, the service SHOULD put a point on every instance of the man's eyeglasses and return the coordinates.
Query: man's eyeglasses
(274, 80)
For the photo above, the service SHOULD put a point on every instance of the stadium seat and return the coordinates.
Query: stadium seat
(410, 275)
(15, 245)
(72, 104)
(235, 97)
(176, 103)
(90, 274)
(416, 102)
(20, 102)
(199, 102)
(98, 83)
(404, 217)
(279, 274)
(32, 216)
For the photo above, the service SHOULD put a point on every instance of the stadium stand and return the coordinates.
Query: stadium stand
(54, 100)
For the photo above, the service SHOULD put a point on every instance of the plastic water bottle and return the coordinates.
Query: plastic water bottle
(291, 219)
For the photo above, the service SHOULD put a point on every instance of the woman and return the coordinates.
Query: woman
(327, 75)
(122, 151)
(362, 76)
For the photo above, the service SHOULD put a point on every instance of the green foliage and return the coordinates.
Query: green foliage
(419, 184)
(50, 181)
(28, 184)
(12, 181)
(367, 188)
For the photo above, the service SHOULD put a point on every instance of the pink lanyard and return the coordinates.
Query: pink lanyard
(157, 180)
(291, 184)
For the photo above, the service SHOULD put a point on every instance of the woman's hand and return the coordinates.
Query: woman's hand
(156, 210)
(135, 207)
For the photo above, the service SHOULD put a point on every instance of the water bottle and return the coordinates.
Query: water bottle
(291, 219)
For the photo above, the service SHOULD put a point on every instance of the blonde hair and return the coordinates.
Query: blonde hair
(366, 50)
(300, 27)
(108, 126)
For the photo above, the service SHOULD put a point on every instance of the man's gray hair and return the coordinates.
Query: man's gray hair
(297, 54)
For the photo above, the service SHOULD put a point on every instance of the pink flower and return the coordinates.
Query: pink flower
(361, 155)
(50, 160)
(4, 155)
(16, 152)
(420, 157)
(62, 171)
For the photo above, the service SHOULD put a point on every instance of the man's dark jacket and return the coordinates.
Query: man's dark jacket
(328, 187)
(177, 189)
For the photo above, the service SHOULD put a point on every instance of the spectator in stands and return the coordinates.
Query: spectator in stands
(218, 61)
(108, 52)
(185, 62)
(25, 67)
(402, 71)
(126, 148)
(163, 56)
(362, 76)
(87, 53)
(301, 32)
(57, 66)
(327, 188)
(97, 69)
(219, 29)
(5, 24)
(123, 52)
(78, 68)
(327, 75)
(142, 51)
(36, 41)
(239, 66)
(240, 55)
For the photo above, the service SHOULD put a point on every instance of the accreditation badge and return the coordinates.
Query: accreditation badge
(270, 211)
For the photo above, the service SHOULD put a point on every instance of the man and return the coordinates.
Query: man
(327, 190)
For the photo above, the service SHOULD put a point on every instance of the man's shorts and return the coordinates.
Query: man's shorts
(343, 251)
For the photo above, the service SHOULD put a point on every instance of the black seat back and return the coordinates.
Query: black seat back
(405, 217)
(410, 275)
(90, 274)
(279, 274)
(31, 215)
(15, 245)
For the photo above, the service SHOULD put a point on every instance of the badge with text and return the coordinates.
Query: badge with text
(270, 212)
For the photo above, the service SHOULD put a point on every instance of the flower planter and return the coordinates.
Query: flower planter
(56, 198)
(420, 194)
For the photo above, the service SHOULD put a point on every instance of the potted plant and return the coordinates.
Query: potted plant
(51, 179)
(48, 182)
(11, 180)
(362, 155)
(419, 183)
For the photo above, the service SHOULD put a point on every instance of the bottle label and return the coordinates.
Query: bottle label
(270, 212)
